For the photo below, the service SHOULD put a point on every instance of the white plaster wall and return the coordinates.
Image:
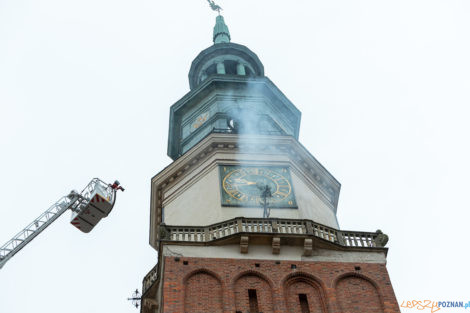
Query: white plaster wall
(310, 205)
(198, 205)
(196, 200)
(264, 252)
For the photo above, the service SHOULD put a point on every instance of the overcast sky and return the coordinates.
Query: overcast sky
(85, 91)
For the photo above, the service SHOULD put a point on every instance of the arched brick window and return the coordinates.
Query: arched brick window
(253, 294)
(203, 293)
(303, 295)
(358, 295)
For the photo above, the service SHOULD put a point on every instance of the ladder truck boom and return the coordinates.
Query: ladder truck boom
(88, 207)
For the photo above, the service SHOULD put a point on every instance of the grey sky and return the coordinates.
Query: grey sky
(85, 91)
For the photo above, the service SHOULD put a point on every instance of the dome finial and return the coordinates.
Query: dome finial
(221, 33)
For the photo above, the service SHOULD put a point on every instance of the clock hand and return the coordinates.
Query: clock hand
(244, 182)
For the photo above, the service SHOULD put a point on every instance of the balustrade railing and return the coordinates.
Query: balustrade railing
(202, 234)
(149, 279)
(270, 226)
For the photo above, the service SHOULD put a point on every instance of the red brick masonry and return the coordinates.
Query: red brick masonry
(195, 285)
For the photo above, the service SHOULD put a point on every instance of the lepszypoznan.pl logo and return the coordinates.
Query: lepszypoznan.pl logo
(434, 306)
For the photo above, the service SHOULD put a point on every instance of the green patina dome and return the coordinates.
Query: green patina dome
(228, 94)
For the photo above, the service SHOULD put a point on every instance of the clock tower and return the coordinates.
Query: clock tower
(244, 219)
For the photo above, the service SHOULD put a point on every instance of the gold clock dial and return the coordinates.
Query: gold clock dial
(245, 184)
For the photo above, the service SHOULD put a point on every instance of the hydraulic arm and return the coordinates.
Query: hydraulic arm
(88, 207)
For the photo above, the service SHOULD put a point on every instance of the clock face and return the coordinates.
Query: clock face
(244, 186)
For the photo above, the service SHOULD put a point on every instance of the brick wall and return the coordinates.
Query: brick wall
(256, 282)
(195, 285)
(352, 291)
(202, 293)
(303, 286)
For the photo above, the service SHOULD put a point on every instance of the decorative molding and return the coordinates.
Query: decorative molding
(308, 247)
(244, 244)
(276, 245)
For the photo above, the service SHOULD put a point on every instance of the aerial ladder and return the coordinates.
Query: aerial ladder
(88, 207)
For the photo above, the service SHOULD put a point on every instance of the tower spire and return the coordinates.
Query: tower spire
(221, 33)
